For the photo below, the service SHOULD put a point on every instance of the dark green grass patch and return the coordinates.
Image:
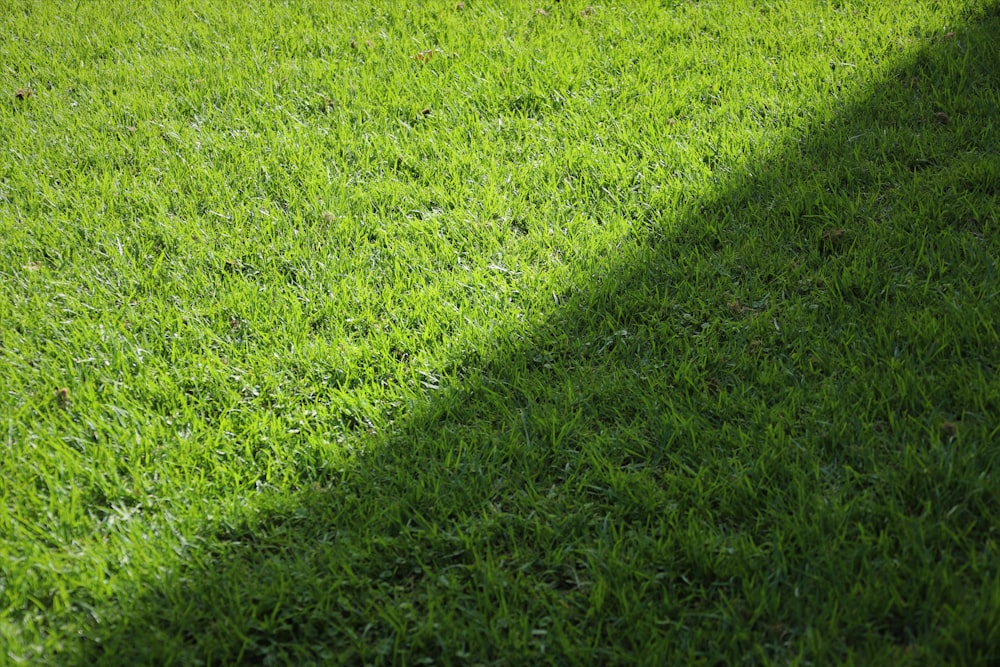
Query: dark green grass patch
(480, 334)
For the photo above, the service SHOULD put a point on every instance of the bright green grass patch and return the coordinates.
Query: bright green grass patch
(336, 332)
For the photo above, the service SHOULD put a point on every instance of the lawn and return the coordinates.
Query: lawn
(500, 333)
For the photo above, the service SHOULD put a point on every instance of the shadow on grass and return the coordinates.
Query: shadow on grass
(750, 444)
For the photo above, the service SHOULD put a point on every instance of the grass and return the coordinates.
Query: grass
(477, 334)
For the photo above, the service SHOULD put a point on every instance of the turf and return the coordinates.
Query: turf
(498, 333)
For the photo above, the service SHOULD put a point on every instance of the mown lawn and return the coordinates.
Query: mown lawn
(500, 333)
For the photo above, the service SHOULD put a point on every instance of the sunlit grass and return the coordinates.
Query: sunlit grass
(497, 333)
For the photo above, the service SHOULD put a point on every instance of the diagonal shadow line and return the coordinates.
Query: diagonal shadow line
(661, 479)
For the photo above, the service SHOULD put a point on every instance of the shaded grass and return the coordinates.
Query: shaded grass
(701, 370)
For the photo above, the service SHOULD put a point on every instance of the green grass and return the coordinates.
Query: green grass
(336, 332)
